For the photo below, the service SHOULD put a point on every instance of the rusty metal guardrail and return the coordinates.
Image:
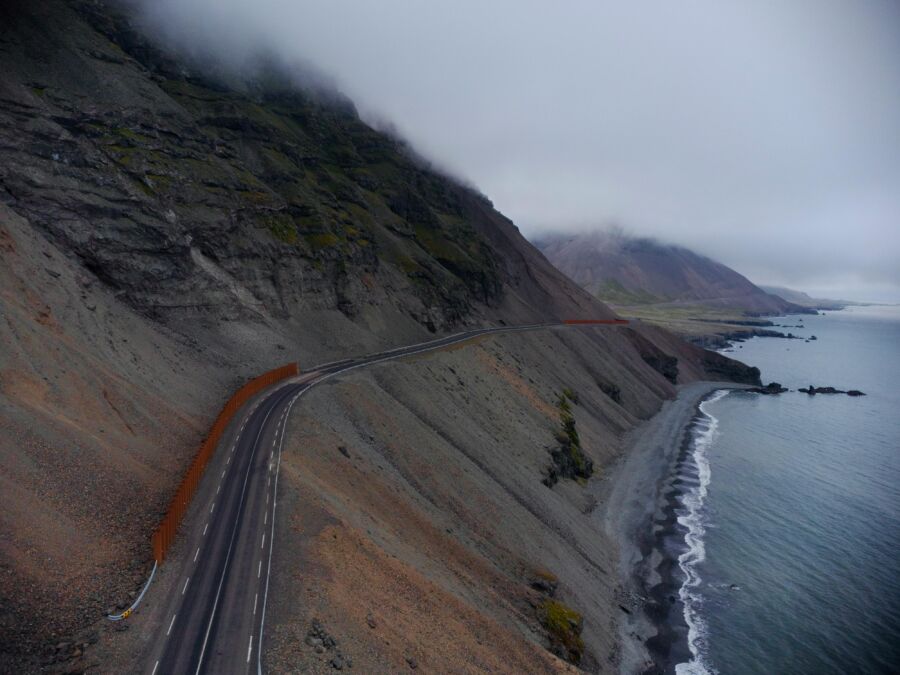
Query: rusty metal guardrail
(165, 534)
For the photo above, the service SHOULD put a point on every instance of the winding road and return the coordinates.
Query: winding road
(213, 616)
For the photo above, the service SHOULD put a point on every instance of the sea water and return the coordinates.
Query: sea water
(791, 559)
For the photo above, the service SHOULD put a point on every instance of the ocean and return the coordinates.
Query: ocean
(789, 517)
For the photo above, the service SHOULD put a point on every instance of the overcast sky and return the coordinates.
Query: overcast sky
(765, 133)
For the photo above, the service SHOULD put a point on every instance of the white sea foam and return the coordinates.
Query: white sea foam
(694, 521)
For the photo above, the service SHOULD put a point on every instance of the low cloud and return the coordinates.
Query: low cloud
(764, 134)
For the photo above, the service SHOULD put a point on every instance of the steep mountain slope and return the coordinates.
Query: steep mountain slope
(165, 235)
(804, 299)
(252, 201)
(626, 270)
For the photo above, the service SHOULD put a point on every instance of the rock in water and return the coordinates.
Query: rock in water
(811, 390)
(771, 388)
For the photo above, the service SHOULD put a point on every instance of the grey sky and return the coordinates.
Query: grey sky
(765, 133)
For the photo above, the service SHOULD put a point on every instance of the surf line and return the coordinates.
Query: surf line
(693, 519)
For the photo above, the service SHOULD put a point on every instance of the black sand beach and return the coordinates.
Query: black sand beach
(640, 515)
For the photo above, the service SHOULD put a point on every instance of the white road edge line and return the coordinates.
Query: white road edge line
(262, 620)
(212, 615)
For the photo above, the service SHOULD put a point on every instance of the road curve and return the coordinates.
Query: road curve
(214, 614)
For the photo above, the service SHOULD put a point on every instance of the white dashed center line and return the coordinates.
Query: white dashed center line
(249, 649)
(171, 623)
(196, 554)
(187, 581)
(204, 529)
(259, 570)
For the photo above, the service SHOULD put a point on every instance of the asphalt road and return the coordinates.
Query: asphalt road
(214, 615)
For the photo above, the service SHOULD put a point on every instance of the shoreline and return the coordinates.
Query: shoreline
(640, 517)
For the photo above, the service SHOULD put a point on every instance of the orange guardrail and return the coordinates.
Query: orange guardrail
(165, 534)
(613, 322)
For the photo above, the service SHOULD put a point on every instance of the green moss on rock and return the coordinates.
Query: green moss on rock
(569, 460)
(282, 228)
(322, 240)
(563, 625)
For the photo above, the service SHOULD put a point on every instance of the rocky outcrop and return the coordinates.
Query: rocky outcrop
(726, 338)
(569, 459)
(729, 369)
(769, 389)
(812, 391)
(663, 363)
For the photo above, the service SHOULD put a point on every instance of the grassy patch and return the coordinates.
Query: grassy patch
(131, 135)
(571, 395)
(322, 240)
(406, 263)
(569, 460)
(613, 291)
(282, 228)
(563, 625)
(437, 245)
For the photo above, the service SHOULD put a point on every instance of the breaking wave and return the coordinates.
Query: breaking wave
(693, 520)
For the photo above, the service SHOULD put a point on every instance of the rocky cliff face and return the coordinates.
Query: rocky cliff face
(203, 199)
(628, 270)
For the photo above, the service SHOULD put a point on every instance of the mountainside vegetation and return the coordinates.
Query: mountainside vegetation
(202, 195)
